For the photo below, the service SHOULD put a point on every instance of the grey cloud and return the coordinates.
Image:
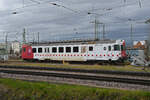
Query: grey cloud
(59, 23)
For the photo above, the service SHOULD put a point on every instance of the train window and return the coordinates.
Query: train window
(109, 48)
(24, 49)
(39, 50)
(61, 49)
(54, 49)
(34, 50)
(122, 48)
(75, 49)
(104, 48)
(90, 48)
(68, 49)
(48, 50)
(45, 50)
(116, 48)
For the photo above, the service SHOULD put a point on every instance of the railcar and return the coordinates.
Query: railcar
(104, 50)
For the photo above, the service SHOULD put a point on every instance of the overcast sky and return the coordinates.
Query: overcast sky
(70, 19)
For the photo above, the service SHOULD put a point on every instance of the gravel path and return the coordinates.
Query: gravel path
(101, 84)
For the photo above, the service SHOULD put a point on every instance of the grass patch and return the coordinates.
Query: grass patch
(21, 90)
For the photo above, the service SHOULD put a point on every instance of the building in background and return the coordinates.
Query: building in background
(4, 51)
(15, 47)
(11, 47)
(10, 50)
(140, 44)
(6, 47)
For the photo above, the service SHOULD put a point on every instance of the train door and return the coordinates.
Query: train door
(123, 51)
(117, 51)
(83, 53)
(98, 51)
(27, 52)
(109, 52)
(104, 52)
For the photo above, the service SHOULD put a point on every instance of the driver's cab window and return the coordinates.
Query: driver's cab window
(116, 47)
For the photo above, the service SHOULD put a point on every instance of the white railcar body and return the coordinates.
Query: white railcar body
(79, 51)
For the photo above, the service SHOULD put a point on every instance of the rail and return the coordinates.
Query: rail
(144, 74)
(78, 76)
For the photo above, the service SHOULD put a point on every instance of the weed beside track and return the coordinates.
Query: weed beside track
(22, 90)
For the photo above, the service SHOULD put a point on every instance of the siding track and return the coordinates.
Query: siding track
(49, 73)
(141, 74)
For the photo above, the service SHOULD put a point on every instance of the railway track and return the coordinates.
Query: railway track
(73, 74)
(83, 77)
(141, 74)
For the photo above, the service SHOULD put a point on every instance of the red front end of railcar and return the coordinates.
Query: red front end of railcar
(27, 53)
(123, 50)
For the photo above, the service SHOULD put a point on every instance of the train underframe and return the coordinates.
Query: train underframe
(120, 61)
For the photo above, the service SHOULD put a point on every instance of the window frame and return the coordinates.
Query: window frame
(118, 47)
(109, 48)
(34, 49)
(24, 49)
(122, 48)
(90, 48)
(48, 50)
(55, 49)
(67, 49)
(77, 48)
(61, 49)
(40, 50)
(104, 48)
(45, 50)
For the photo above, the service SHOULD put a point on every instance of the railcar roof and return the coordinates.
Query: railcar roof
(74, 42)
